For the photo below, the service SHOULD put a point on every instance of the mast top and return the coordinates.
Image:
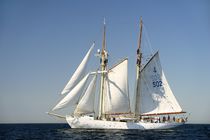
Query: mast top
(104, 37)
(140, 36)
(104, 21)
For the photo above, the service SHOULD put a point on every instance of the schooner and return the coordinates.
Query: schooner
(101, 98)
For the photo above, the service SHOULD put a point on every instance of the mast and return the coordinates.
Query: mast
(104, 60)
(138, 73)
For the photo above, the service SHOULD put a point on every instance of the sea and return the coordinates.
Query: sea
(63, 131)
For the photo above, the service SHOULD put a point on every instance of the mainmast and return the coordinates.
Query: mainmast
(138, 73)
(104, 60)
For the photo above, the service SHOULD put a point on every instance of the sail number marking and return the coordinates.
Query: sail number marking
(157, 83)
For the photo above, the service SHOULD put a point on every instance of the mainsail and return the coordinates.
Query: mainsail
(79, 73)
(156, 96)
(73, 96)
(116, 95)
(86, 103)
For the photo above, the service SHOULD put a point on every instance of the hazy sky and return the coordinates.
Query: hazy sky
(42, 42)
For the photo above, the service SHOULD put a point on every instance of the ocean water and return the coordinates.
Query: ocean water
(63, 131)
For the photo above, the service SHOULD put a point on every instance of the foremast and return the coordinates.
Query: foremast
(103, 60)
(138, 73)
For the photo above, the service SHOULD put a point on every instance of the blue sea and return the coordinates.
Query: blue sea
(63, 131)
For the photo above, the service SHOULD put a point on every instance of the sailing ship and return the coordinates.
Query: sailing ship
(101, 100)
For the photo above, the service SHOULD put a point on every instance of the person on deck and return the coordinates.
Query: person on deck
(168, 118)
(174, 119)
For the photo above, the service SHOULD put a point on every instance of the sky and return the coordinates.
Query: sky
(43, 41)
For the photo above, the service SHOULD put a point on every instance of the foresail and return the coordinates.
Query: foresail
(86, 104)
(79, 73)
(116, 95)
(73, 96)
(156, 96)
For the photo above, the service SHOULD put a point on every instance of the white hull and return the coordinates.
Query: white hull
(89, 122)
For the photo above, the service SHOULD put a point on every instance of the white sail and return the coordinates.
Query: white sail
(79, 73)
(156, 96)
(86, 104)
(73, 96)
(116, 92)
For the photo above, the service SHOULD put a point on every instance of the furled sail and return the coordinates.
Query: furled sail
(156, 96)
(116, 91)
(73, 96)
(86, 104)
(79, 73)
